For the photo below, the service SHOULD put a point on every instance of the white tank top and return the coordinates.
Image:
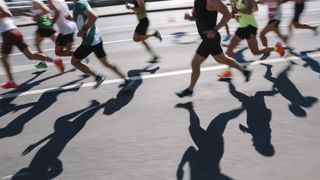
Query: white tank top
(6, 23)
(65, 26)
(274, 10)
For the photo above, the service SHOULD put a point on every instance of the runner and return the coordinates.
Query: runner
(298, 9)
(12, 36)
(140, 33)
(67, 28)
(44, 26)
(275, 15)
(248, 27)
(205, 14)
(85, 19)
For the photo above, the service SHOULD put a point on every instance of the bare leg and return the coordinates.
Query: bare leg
(196, 63)
(6, 65)
(36, 56)
(105, 62)
(233, 44)
(222, 59)
(38, 40)
(265, 30)
(253, 46)
(77, 63)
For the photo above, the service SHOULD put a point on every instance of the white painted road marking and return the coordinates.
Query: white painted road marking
(152, 76)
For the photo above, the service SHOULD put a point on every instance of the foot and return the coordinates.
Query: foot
(226, 38)
(9, 84)
(154, 60)
(41, 65)
(99, 80)
(127, 84)
(158, 35)
(225, 74)
(279, 49)
(264, 56)
(247, 74)
(184, 93)
(59, 65)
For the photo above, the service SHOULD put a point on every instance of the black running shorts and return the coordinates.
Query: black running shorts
(142, 27)
(210, 46)
(45, 32)
(63, 40)
(246, 32)
(84, 51)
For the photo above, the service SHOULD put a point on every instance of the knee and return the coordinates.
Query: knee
(295, 24)
(57, 52)
(255, 52)
(75, 61)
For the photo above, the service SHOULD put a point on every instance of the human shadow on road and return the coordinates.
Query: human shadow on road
(46, 100)
(123, 98)
(205, 162)
(258, 119)
(6, 105)
(240, 57)
(45, 164)
(289, 91)
(309, 62)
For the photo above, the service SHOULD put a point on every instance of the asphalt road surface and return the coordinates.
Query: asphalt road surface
(265, 129)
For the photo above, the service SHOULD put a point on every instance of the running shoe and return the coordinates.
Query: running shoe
(225, 74)
(184, 93)
(279, 49)
(247, 73)
(9, 84)
(226, 37)
(154, 60)
(41, 65)
(265, 56)
(158, 35)
(59, 65)
(99, 80)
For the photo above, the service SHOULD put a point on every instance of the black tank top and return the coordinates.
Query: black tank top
(205, 20)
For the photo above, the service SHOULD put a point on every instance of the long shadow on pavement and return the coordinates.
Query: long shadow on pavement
(6, 105)
(289, 91)
(309, 62)
(123, 98)
(45, 164)
(205, 162)
(46, 100)
(258, 119)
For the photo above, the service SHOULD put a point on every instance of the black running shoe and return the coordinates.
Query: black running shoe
(247, 73)
(99, 80)
(184, 93)
(265, 56)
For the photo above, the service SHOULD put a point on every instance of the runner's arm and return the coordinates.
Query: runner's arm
(4, 12)
(92, 18)
(218, 5)
(191, 17)
(56, 11)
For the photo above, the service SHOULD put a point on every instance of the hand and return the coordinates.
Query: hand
(187, 16)
(210, 34)
(80, 33)
(128, 6)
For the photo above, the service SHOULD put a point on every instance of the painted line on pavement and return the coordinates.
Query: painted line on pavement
(152, 76)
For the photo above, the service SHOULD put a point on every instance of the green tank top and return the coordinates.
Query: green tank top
(44, 22)
(246, 20)
(139, 15)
